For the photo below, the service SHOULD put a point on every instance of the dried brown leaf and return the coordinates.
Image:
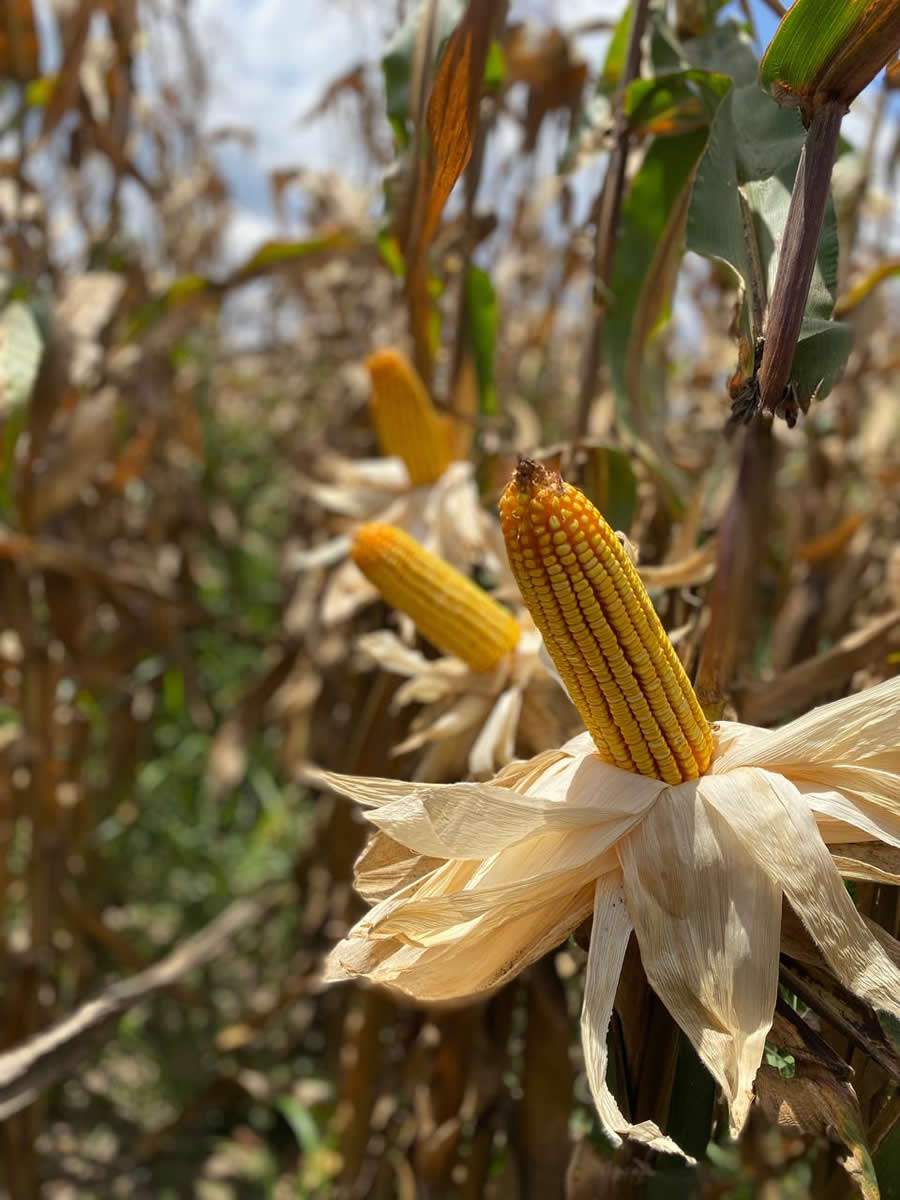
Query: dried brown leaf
(452, 114)
(801, 686)
(818, 1099)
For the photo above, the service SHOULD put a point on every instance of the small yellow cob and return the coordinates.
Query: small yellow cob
(601, 629)
(448, 610)
(405, 420)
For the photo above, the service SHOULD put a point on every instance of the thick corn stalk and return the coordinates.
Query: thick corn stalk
(406, 422)
(448, 610)
(601, 629)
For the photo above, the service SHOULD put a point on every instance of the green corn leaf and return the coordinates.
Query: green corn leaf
(720, 188)
(829, 50)
(481, 332)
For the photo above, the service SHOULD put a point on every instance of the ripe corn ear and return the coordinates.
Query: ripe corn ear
(601, 629)
(405, 420)
(448, 610)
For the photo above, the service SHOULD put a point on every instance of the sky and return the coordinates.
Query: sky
(271, 59)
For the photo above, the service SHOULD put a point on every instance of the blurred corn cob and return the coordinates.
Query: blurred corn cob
(448, 610)
(405, 420)
(601, 629)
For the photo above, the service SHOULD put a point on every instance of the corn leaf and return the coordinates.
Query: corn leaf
(452, 115)
(481, 334)
(652, 224)
(738, 211)
(607, 478)
(829, 49)
(396, 65)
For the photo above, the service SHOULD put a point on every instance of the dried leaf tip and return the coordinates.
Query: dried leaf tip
(448, 610)
(601, 630)
(406, 422)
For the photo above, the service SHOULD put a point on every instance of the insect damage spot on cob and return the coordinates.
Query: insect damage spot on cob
(405, 420)
(601, 629)
(448, 610)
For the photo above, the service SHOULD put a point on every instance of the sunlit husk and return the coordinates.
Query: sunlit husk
(469, 722)
(707, 924)
(486, 877)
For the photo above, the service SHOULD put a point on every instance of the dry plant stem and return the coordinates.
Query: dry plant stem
(607, 224)
(739, 551)
(416, 284)
(647, 1044)
(471, 182)
(865, 178)
(803, 685)
(41, 1062)
(548, 1083)
(884, 1123)
(799, 247)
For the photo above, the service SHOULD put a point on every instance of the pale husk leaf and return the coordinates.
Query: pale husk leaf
(462, 714)
(848, 805)
(384, 866)
(860, 730)
(453, 917)
(778, 829)
(448, 971)
(707, 922)
(495, 744)
(609, 939)
(476, 820)
(347, 593)
(384, 649)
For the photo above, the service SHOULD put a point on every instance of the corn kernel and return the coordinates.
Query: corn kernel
(448, 610)
(601, 630)
(406, 421)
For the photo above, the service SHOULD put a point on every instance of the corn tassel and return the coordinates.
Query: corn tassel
(601, 629)
(405, 420)
(448, 610)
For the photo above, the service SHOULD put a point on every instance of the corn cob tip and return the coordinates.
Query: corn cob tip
(387, 361)
(601, 629)
(370, 543)
(449, 610)
(406, 422)
(530, 474)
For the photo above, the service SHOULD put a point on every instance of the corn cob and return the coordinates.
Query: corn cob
(448, 610)
(405, 420)
(601, 629)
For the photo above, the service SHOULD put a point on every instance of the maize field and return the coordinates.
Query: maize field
(450, 600)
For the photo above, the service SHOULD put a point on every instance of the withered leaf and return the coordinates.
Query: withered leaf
(452, 114)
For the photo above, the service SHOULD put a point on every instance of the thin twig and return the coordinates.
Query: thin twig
(607, 222)
(46, 1058)
(739, 555)
(867, 170)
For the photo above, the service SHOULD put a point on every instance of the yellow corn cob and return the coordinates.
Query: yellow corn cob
(405, 420)
(601, 630)
(448, 610)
